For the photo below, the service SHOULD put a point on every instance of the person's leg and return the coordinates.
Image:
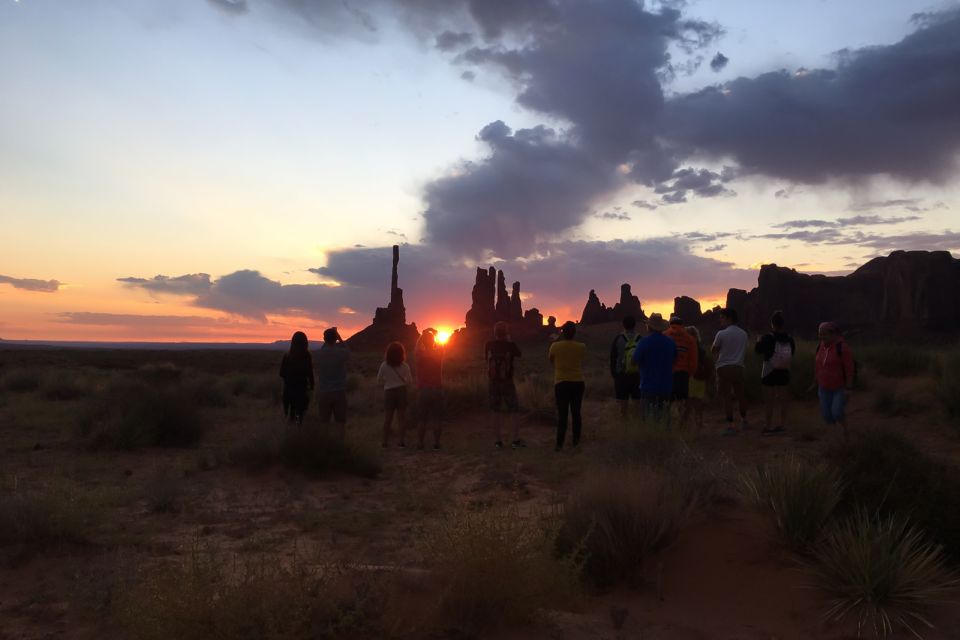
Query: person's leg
(387, 419)
(838, 408)
(725, 392)
(576, 403)
(563, 406)
(739, 389)
(438, 418)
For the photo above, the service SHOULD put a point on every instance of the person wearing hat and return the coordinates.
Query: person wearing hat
(686, 363)
(331, 365)
(655, 356)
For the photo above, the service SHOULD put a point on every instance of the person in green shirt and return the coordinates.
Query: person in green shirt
(567, 355)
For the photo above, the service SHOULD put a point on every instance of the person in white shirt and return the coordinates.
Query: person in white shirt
(395, 376)
(729, 348)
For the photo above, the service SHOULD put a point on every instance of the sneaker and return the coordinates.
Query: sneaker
(518, 444)
(729, 431)
(498, 444)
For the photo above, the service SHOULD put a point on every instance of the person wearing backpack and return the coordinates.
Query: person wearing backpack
(685, 364)
(697, 394)
(835, 375)
(625, 372)
(566, 356)
(777, 349)
(394, 375)
(499, 355)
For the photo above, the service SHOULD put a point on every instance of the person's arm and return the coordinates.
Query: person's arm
(816, 366)
(638, 353)
(615, 355)
(717, 341)
(406, 374)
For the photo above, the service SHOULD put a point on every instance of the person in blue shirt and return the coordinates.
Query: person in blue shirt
(655, 355)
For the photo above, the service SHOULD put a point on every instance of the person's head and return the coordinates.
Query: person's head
(776, 321)
(298, 343)
(395, 354)
(828, 332)
(331, 336)
(728, 317)
(428, 339)
(692, 330)
(629, 323)
(568, 330)
(501, 330)
(676, 321)
(656, 323)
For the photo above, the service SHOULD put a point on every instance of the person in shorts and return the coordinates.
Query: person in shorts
(331, 362)
(685, 365)
(500, 354)
(777, 349)
(697, 392)
(428, 359)
(296, 370)
(626, 375)
(729, 348)
(394, 375)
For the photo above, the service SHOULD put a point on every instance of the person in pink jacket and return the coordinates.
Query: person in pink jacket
(835, 372)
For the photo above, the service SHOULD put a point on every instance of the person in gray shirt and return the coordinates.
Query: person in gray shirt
(330, 364)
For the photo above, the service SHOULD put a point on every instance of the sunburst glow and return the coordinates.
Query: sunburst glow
(443, 335)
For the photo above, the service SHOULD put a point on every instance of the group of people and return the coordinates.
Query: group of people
(666, 371)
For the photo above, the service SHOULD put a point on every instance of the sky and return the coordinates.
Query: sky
(233, 170)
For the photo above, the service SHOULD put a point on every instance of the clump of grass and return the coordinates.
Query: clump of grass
(21, 380)
(498, 569)
(131, 414)
(43, 517)
(620, 517)
(881, 571)
(896, 361)
(313, 451)
(799, 495)
(889, 402)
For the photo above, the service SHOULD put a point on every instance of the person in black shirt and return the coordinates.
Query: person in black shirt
(777, 349)
(499, 354)
(296, 369)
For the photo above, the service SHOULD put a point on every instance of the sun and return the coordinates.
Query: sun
(443, 335)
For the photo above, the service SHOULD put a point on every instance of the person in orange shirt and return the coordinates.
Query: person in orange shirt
(686, 363)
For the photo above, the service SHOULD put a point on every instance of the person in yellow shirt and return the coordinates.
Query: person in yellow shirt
(567, 355)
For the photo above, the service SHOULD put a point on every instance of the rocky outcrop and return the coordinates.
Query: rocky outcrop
(390, 322)
(688, 309)
(492, 302)
(905, 291)
(483, 309)
(516, 306)
(595, 312)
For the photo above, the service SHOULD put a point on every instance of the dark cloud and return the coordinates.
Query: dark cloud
(883, 204)
(922, 241)
(828, 235)
(714, 248)
(702, 182)
(231, 7)
(782, 194)
(852, 221)
(189, 284)
(451, 41)
(719, 62)
(883, 110)
(644, 204)
(612, 215)
(31, 284)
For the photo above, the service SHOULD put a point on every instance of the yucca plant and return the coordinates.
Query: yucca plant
(799, 495)
(883, 572)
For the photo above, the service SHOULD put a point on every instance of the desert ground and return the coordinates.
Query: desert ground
(162, 495)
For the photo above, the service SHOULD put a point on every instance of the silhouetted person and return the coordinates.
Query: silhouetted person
(698, 383)
(729, 348)
(835, 372)
(500, 354)
(296, 369)
(567, 355)
(394, 375)
(655, 355)
(332, 361)
(685, 364)
(625, 372)
(776, 349)
(428, 359)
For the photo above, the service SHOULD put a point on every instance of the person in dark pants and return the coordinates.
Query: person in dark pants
(296, 369)
(332, 359)
(626, 375)
(566, 355)
(655, 355)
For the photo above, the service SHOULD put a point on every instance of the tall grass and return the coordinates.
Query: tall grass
(881, 571)
(800, 496)
(309, 450)
(896, 361)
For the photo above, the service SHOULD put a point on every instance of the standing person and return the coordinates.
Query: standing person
(566, 355)
(684, 366)
(777, 349)
(698, 383)
(296, 369)
(656, 355)
(332, 361)
(729, 348)
(428, 358)
(499, 354)
(835, 375)
(394, 375)
(626, 374)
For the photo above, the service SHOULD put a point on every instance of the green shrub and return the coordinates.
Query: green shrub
(895, 361)
(619, 517)
(949, 386)
(885, 473)
(21, 380)
(799, 495)
(497, 569)
(882, 572)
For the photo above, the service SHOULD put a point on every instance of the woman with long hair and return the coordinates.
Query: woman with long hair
(394, 375)
(296, 369)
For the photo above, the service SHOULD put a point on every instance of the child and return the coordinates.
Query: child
(394, 375)
(296, 369)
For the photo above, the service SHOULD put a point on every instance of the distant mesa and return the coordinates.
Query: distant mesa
(390, 322)
(688, 309)
(595, 312)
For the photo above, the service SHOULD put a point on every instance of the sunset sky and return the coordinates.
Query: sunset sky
(233, 170)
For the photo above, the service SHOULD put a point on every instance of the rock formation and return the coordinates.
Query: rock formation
(502, 308)
(390, 322)
(905, 291)
(595, 312)
(492, 302)
(688, 309)
(516, 306)
(482, 311)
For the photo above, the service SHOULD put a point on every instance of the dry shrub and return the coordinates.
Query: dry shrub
(883, 572)
(619, 517)
(64, 386)
(310, 450)
(21, 380)
(799, 495)
(498, 569)
(43, 517)
(896, 361)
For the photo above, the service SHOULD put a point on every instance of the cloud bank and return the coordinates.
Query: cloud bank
(31, 284)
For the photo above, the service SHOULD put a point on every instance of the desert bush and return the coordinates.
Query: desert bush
(130, 414)
(800, 496)
(309, 450)
(43, 517)
(21, 380)
(896, 361)
(619, 517)
(885, 473)
(212, 597)
(949, 386)
(497, 569)
(536, 395)
(464, 393)
(881, 571)
(64, 386)
(262, 386)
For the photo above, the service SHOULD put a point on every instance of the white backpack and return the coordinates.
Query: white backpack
(782, 355)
